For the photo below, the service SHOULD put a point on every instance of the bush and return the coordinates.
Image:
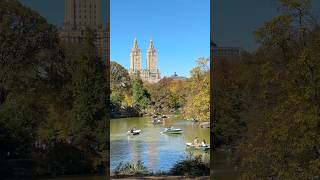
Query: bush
(192, 166)
(135, 168)
(60, 158)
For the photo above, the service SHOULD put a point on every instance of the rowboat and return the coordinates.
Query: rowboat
(156, 121)
(164, 116)
(172, 130)
(205, 125)
(134, 132)
(200, 147)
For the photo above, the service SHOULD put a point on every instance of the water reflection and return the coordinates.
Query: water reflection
(157, 151)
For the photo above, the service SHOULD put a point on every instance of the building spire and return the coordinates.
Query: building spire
(135, 44)
(151, 46)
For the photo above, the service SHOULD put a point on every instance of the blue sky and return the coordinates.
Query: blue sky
(53, 10)
(236, 20)
(180, 30)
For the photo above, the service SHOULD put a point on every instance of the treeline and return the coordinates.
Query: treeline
(266, 107)
(128, 95)
(53, 106)
(189, 97)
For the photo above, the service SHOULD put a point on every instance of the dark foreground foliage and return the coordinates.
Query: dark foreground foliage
(267, 105)
(191, 167)
(53, 107)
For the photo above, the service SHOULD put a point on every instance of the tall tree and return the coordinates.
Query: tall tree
(89, 112)
(140, 95)
(31, 69)
(198, 100)
(284, 142)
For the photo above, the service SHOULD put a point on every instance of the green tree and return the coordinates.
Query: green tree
(19, 122)
(140, 95)
(89, 108)
(167, 94)
(229, 94)
(120, 86)
(31, 67)
(46, 98)
(29, 51)
(120, 79)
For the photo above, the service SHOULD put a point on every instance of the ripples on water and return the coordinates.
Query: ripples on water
(158, 151)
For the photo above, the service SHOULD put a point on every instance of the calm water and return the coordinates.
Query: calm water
(158, 151)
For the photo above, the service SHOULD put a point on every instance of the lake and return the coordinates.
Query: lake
(158, 152)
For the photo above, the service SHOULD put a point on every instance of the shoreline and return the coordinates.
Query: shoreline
(78, 176)
(161, 177)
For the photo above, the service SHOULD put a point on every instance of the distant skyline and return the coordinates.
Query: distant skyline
(180, 30)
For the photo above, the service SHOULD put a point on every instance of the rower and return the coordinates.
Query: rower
(132, 129)
(196, 142)
(203, 143)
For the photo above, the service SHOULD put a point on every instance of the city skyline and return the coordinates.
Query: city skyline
(230, 17)
(179, 29)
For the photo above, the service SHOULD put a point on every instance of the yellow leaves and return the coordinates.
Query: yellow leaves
(198, 101)
(275, 32)
(127, 100)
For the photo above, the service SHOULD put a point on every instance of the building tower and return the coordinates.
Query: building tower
(151, 73)
(80, 15)
(82, 12)
(135, 59)
(152, 59)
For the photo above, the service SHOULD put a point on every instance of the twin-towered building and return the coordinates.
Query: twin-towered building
(151, 73)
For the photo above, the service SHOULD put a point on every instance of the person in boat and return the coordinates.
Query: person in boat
(196, 142)
(132, 129)
(204, 143)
